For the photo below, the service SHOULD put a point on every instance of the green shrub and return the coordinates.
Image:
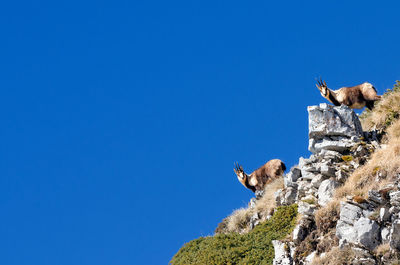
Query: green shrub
(347, 158)
(254, 247)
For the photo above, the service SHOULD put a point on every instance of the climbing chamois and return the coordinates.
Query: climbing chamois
(356, 97)
(262, 176)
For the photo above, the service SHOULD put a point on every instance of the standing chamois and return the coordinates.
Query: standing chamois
(262, 176)
(355, 97)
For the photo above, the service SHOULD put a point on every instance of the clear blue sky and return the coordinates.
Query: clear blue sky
(121, 120)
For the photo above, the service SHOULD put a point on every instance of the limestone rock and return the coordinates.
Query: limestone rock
(384, 214)
(332, 156)
(346, 232)
(291, 178)
(325, 191)
(395, 198)
(302, 229)
(395, 235)
(327, 170)
(306, 208)
(282, 253)
(332, 128)
(316, 182)
(290, 196)
(310, 258)
(337, 144)
(385, 232)
(375, 197)
(368, 232)
(349, 213)
(327, 120)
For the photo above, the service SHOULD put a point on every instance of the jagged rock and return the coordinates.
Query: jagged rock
(282, 253)
(337, 144)
(365, 232)
(278, 196)
(306, 161)
(349, 213)
(384, 214)
(375, 197)
(302, 229)
(290, 196)
(254, 220)
(341, 176)
(368, 213)
(306, 208)
(368, 232)
(316, 182)
(326, 120)
(332, 128)
(362, 257)
(394, 210)
(385, 232)
(395, 235)
(303, 189)
(294, 174)
(308, 175)
(299, 234)
(345, 232)
(332, 156)
(310, 258)
(395, 198)
(291, 178)
(325, 191)
(327, 170)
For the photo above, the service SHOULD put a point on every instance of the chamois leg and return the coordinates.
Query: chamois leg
(370, 104)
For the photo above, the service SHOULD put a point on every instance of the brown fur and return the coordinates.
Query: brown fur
(356, 97)
(262, 176)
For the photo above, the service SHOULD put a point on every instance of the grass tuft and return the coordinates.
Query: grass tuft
(239, 220)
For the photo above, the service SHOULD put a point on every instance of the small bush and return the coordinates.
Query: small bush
(327, 217)
(254, 247)
(347, 158)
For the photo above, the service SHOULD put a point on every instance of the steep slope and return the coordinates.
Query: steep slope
(347, 195)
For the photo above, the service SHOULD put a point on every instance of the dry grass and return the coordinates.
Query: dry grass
(384, 163)
(323, 238)
(385, 111)
(381, 169)
(326, 218)
(239, 220)
(382, 249)
(267, 202)
(336, 257)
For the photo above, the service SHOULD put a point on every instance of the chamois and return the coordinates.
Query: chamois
(262, 176)
(356, 97)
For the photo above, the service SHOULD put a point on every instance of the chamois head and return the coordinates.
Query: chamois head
(239, 172)
(322, 87)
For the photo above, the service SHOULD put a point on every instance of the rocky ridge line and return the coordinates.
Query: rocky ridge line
(339, 146)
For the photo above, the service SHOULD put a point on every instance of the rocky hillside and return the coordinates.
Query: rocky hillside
(341, 205)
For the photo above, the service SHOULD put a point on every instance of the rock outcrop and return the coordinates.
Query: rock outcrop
(338, 146)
